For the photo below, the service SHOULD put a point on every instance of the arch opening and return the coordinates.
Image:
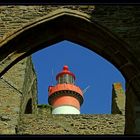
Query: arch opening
(90, 70)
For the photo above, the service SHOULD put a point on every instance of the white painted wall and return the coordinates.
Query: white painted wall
(65, 110)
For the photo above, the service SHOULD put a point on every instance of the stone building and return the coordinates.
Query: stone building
(111, 31)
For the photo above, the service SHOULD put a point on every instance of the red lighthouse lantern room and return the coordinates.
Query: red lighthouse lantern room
(65, 97)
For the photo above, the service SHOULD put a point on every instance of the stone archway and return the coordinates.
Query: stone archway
(77, 27)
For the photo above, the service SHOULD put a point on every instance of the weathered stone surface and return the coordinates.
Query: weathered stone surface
(118, 99)
(12, 92)
(122, 20)
(71, 124)
(29, 88)
(9, 100)
(15, 75)
(4, 118)
(130, 111)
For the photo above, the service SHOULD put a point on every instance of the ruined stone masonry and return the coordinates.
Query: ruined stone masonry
(118, 99)
(112, 31)
(17, 87)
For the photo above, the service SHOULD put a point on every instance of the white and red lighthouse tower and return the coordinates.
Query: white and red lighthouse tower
(65, 97)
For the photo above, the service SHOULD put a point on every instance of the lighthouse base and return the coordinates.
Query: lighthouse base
(65, 110)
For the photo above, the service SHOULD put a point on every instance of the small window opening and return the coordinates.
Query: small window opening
(28, 109)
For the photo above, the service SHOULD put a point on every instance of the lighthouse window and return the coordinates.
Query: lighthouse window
(60, 80)
(66, 78)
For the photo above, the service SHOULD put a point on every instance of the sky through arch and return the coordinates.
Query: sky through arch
(89, 68)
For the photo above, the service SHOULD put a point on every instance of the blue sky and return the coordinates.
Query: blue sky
(89, 68)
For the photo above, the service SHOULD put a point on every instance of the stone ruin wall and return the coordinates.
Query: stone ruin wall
(16, 87)
(123, 21)
(85, 124)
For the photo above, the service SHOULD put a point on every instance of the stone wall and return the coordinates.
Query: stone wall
(131, 112)
(12, 92)
(118, 99)
(29, 89)
(122, 20)
(46, 123)
(10, 97)
(13, 17)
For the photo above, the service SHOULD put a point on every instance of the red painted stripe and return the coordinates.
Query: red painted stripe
(66, 100)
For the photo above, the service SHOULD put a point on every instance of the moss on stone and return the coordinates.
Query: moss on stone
(44, 106)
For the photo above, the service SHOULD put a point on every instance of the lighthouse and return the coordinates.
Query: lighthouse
(65, 97)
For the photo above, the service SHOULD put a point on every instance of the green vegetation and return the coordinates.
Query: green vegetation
(44, 106)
